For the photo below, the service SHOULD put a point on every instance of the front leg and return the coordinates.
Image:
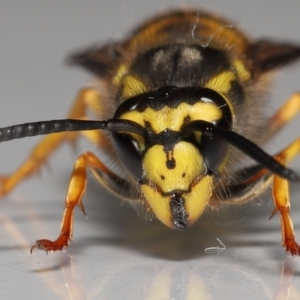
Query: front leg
(282, 203)
(282, 200)
(74, 196)
(254, 185)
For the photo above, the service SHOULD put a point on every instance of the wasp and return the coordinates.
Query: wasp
(180, 106)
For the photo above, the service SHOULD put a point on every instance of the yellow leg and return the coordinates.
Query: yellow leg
(281, 199)
(284, 115)
(281, 195)
(290, 152)
(74, 196)
(282, 204)
(86, 98)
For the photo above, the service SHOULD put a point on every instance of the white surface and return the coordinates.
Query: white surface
(115, 254)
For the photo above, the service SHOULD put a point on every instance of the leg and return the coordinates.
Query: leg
(282, 200)
(282, 204)
(284, 115)
(40, 153)
(280, 195)
(284, 156)
(74, 196)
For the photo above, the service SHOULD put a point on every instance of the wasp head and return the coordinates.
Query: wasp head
(175, 168)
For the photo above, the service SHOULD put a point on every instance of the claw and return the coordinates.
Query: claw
(274, 212)
(33, 247)
(292, 247)
(48, 245)
(80, 204)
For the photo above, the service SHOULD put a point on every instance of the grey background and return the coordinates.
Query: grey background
(115, 254)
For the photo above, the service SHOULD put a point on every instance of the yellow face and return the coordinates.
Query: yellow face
(175, 184)
(175, 179)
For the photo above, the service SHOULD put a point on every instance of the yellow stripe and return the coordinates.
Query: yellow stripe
(132, 86)
(122, 70)
(241, 70)
(221, 83)
(173, 118)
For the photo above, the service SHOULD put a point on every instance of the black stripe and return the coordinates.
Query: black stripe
(171, 96)
(170, 65)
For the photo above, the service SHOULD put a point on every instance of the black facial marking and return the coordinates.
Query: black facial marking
(171, 163)
(172, 96)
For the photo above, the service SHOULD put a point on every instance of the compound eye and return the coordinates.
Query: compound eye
(213, 150)
(128, 153)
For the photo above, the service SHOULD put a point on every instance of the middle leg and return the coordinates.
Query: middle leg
(86, 98)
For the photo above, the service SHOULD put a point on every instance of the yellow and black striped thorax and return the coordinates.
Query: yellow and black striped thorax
(183, 65)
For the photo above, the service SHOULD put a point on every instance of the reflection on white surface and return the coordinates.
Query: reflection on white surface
(217, 249)
(116, 255)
